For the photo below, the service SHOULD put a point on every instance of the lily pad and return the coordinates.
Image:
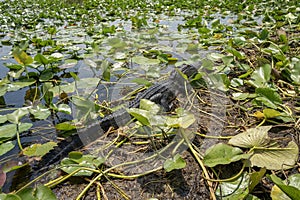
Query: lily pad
(253, 137)
(261, 76)
(38, 149)
(42, 192)
(222, 154)
(40, 112)
(21, 57)
(291, 190)
(177, 162)
(77, 161)
(276, 157)
(234, 190)
(65, 126)
(15, 116)
(266, 153)
(6, 147)
(141, 60)
(14, 86)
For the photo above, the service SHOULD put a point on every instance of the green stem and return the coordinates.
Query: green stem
(18, 138)
(195, 154)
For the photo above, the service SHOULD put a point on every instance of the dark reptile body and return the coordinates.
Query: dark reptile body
(162, 93)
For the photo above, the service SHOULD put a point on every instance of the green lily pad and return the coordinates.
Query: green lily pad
(15, 116)
(42, 192)
(141, 60)
(64, 108)
(3, 118)
(77, 161)
(65, 126)
(149, 106)
(234, 190)
(276, 157)
(41, 59)
(261, 76)
(240, 96)
(26, 193)
(142, 116)
(6, 147)
(268, 97)
(3, 89)
(295, 72)
(177, 162)
(38, 149)
(9, 197)
(290, 190)
(141, 81)
(222, 154)
(40, 112)
(21, 57)
(8, 131)
(183, 120)
(270, 113)
(14, 86)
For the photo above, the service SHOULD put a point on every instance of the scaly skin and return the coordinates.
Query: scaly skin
(162, 93)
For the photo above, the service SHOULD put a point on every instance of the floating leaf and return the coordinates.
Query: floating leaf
(9, 197)
(41, 59)
(295, 72)
(271, 113)
(240, 96)
(141, 81)
(222, 154)
(275, 157)
(67, 88)
(26, 193)
(259, 115)
(38, 149)
(86, 83)
(15, 116)
(57, 55)
(116, 43)
(268, 97)
(42, 192)
(261, 76)
(8, 131)
(65, 126)
(255, 178)
(3, 89)
(234, 190)
(235, 53)
(46, 75)
(253, 137)
(3, 118)
(149, 106)
(68, 64)
(77, 161)
(64, 108)
(290, 191)
(177, 162)
(183, 120)
(14, 86)
(40, 112)
(141, 60)
(142, 116)
(264, 34)
(21, 57)
(265, 152)
(6, 147)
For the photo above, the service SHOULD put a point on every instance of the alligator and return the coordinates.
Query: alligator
(162, 93)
